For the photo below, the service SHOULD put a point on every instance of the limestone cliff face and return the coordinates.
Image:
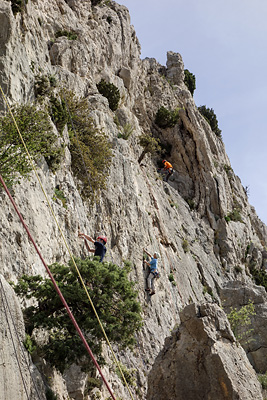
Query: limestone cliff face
(17, 371)
(202, 351)
(136, 210)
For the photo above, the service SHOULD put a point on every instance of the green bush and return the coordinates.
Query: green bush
(69, 35)
(93, 383)
(210, 116)
(42, 85)
(240, 321)
(111, 92)
(52, 80)
(37, 132)
(185, 246)
(50, 395)
(18, 5)
(260, 277)
(112, 294)
(29, 344)
(149, 144)
(234, 216)
(60, 196)
(165, 118)
(191, 204)
(190, 81)
(263, 380)
(129, 374)
(228, 169)
(91, 153)
(127, 131)
(58, 112)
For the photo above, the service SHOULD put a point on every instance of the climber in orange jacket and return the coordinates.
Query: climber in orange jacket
(167, 168)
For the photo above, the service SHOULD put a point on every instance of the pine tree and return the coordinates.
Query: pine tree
(113, 296)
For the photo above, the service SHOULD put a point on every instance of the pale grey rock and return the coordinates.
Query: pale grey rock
(175, 68)
(237, 294)
(183, 220)
(76, 382)
(125, 74)
(201, 360)
(19, 378)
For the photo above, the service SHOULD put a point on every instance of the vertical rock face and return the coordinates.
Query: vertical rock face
(175, 68)
(236, 294)
(183, 220)
(201, 360)
(19, 379)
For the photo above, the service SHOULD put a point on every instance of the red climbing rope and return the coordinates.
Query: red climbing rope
(57, 289)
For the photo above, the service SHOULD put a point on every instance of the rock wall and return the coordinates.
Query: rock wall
(236, 294)
(196, 361)
(19, 378)
(182, 220)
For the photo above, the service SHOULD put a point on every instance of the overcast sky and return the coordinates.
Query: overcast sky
(224, 44)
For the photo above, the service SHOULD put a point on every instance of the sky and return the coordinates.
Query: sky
(224, 44)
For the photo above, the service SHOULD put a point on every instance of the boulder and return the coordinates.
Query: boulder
(201, 360)
(237, 294)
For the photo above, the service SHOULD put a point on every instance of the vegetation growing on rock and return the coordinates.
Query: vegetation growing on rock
(210, 116)
(111, 92)
(259, 276)
(90, 149)
(240, 321)
(190, 81)
(18, 5)
(112, 294)
(68, 34)
(166, 118)
(37, 132)
(149, 144)
(58, 112)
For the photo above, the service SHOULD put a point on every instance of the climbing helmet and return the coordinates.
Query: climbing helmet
(102, 238)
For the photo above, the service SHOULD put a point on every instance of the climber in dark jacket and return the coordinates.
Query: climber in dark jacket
(100, 249)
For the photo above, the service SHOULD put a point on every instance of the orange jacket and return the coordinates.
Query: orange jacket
(167, 165)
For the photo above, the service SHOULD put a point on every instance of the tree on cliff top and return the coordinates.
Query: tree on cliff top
(190, 81)
(210, 116)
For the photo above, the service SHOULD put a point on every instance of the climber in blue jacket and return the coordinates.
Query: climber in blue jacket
(153, 271)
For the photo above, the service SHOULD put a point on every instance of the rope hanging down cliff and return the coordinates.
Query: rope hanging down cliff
(8, 311)
(66, 244)
(13, 343)
(57, 288)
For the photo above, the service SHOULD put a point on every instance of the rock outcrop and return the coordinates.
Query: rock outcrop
(236, 295)
(19, 378)
(201, 360)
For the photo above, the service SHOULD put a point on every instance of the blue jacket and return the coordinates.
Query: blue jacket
(153, 264)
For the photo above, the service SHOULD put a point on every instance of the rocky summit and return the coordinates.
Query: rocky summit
(210, 242)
